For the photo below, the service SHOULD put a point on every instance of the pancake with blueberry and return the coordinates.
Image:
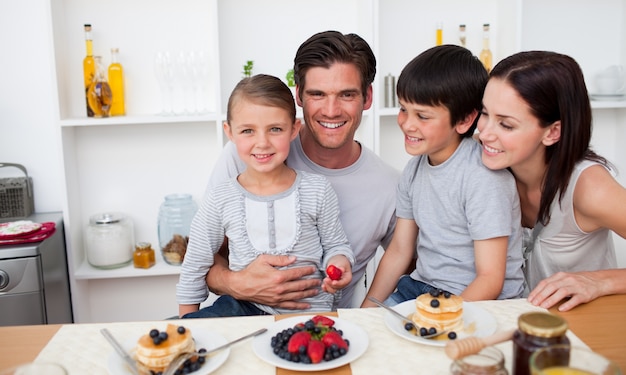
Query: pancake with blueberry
(155, 350)
(439, 309)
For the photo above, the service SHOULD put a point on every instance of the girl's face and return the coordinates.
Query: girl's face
(427, 131)
(262, 134)
(510, 134)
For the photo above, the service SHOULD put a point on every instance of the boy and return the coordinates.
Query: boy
(464, 217)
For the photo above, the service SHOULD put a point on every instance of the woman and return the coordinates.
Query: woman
(536, 121)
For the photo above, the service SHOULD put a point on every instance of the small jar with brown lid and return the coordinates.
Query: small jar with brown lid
(143, 257)
(536, 330)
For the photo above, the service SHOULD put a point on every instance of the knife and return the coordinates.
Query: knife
(120, 350)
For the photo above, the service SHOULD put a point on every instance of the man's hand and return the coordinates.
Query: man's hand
(576, 288)
(263, 283)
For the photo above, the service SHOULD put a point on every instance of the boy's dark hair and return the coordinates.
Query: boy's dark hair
(262, 89)
(329, 47)
(446, 75)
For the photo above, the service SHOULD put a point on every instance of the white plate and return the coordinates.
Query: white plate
(476, 322)
(352, 332)
(204, 339)
(607, 97)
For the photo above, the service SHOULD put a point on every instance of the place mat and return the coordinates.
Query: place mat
(83, 350)
(405, 357)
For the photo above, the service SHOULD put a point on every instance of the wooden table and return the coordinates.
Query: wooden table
(600, 324)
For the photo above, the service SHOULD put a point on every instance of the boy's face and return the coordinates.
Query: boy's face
(262, 134)
(428, 131)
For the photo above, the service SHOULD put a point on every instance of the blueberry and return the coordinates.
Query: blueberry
(452, 335)
(432, 330)
(154, 333)
(408, 326)
(181, 330)
(435, 292)
(447, 294)
(434, 303)
(163, 335)
(423, 331)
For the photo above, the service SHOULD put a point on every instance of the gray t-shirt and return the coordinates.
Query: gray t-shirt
(366, 191)
(453, 204)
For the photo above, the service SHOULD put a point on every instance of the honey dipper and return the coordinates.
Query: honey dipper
(472, 345)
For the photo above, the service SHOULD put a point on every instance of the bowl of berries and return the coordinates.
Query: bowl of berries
(311, 343)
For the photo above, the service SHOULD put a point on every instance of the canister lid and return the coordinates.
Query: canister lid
(106, 218)
(143, 245)
(542, 324)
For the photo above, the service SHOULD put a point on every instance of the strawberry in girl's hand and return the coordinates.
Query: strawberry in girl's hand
(333, 272)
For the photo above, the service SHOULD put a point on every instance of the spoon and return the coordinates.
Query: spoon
(405, 319)
(120, 350)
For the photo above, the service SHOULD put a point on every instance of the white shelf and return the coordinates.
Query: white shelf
(139, 119)
(87, 272)
(612, 104)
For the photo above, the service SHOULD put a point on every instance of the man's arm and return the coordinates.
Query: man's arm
(262, 283)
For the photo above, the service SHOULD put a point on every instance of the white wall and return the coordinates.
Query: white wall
(28, 132)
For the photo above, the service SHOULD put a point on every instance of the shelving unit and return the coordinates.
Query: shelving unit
(130, 163)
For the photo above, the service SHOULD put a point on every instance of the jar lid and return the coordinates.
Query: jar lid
(542, 324)
(106, 218)
(143, 245)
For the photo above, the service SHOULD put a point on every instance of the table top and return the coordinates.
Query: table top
(598, 324)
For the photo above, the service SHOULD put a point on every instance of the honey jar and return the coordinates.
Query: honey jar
(143, 257)
(536, 330)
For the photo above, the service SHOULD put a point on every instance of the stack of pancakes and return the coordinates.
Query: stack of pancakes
(156, 357)
(445, 314)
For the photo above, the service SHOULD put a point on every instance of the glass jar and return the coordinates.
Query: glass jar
(489, 361)
(109, 240)
(175, 215)
(536, 330)
(144, 255)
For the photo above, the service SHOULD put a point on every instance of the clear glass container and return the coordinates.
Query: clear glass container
(175, 215)
(109, 240)
(489, 361)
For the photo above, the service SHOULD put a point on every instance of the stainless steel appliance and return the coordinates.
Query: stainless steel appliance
(34, 283)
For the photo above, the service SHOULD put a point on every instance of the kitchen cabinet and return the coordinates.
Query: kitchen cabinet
(130, 163)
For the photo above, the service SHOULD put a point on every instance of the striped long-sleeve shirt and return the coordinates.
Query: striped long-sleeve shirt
(301, 221)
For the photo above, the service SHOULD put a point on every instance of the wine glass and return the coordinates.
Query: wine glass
(164, 72)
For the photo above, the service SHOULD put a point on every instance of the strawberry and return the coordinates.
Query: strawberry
(323, 320)
(333, 337)
(333, 272)
(316, 351)
(297, 340)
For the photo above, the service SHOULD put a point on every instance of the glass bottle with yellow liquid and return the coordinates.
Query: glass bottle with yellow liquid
(99, 95)
(439, 34)
(116, 82)
(485, 55)
(89, 67)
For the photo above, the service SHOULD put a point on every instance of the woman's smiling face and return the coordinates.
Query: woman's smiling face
(510, 134)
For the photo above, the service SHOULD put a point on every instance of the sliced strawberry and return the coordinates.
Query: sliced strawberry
(323, 320)
(316, 351)
(333, 272)
(333, 337)
(297, 340)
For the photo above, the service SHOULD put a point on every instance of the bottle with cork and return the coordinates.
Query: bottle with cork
(116, 82)
(89, 67)
(485, 54)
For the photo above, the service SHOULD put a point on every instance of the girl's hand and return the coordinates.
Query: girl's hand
(338, 266)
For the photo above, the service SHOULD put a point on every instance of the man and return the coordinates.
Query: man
(334, 74)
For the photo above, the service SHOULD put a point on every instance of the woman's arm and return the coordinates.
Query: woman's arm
(599, 202)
